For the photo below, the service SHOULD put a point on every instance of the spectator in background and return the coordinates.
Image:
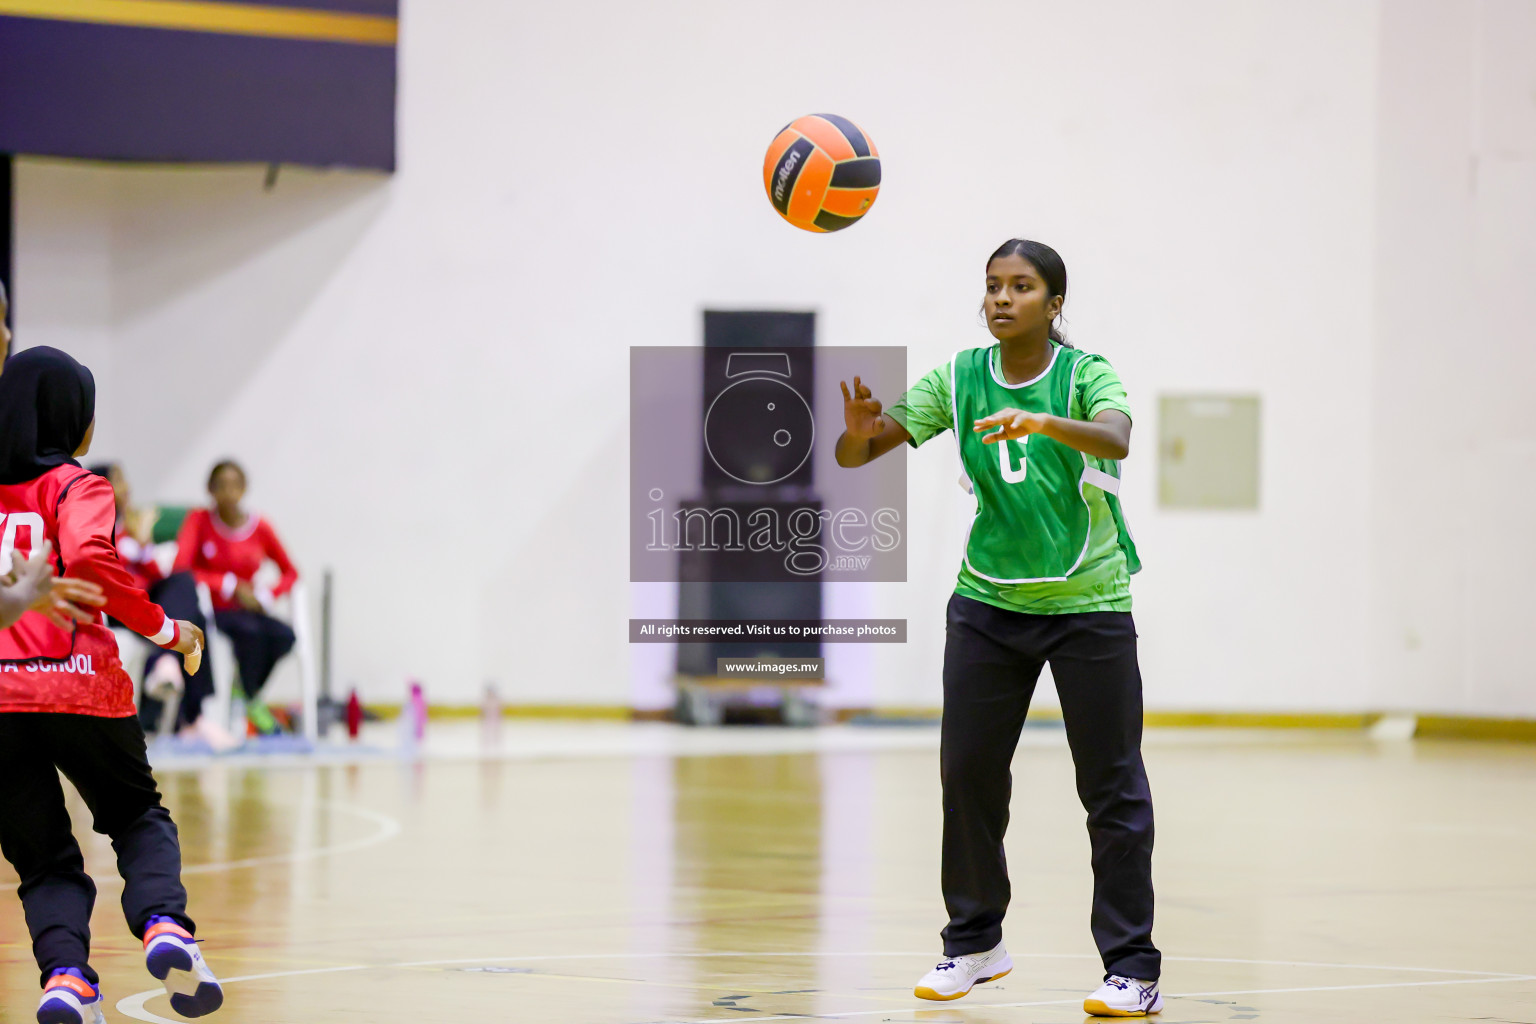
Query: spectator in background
(224, 547)
(165, 677)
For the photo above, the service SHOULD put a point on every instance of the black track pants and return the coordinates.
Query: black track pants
(992, 660)
(105, 760)
(260, 641)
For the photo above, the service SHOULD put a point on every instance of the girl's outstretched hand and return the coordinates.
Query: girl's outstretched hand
(189, 644)
(59, 600)
(69, 598)
(861, 411)
(1013, 423)
(27, 582)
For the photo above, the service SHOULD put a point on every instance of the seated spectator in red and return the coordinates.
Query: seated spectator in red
(164, 671)
(224, 547)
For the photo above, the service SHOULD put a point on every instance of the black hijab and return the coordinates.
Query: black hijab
(47, 403)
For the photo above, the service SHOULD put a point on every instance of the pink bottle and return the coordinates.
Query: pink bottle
(418, 711)
(490, 714)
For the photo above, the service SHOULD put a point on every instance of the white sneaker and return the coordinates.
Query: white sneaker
(954, 977)
(171, 955)
(70, 999)
(1124, 997)
(216, 736)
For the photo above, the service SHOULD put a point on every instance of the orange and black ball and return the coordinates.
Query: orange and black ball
(822, 172)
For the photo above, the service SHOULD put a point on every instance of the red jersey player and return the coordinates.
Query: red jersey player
(225, 547)
(66, 705)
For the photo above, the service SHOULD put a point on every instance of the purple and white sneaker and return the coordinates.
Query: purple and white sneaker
(69, 999)
(1124, 997)
(954, 977)
(171, 955)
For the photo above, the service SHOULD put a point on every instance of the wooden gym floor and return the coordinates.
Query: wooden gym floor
(656, 877)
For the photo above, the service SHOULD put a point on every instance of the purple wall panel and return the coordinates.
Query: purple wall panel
(117, 93)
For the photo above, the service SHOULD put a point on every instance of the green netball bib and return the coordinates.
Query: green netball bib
(1032, 494)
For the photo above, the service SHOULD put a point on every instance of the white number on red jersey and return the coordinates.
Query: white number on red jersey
(14, 523)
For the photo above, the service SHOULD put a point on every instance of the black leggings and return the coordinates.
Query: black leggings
(105, 759)
(260, 641)
(178, 596)
(992, 660)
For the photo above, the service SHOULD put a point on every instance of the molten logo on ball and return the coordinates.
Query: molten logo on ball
(786, 169)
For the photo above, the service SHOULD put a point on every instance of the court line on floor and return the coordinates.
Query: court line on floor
(134, 1006)
(388, 828)
(842, 1015)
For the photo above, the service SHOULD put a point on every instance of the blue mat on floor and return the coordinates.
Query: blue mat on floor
(196, 746)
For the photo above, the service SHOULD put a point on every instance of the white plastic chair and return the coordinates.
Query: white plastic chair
(304, 650)
(221, 661)
(222, 653)
(133, 655)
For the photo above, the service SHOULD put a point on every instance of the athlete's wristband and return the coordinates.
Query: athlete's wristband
(171, 629)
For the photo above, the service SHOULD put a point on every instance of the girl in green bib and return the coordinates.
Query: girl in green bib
(1045, 578)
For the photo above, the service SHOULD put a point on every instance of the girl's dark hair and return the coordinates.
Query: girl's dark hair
(1046, 260)
(222, 465)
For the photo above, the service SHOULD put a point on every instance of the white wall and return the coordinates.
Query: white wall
(1453, 454)
(64, 267)
(427, 375)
